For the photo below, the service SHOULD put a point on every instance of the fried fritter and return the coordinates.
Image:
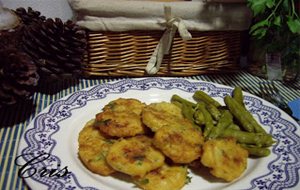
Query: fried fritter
(120, 124)
(226, 158)
(125, 105)
(93, 148)
(157, 115)
(121, 118)
(164, 178)
(181, 144)
(134, 156)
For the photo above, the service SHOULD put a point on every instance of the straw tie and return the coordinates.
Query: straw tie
(164, 44)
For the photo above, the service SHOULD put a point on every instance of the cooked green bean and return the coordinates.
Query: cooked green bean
(243, 137)
(225, 120)
(178, 104)
(237, 94)
(238, 113)
(234, 126)
(243, 116)
(187, 112)
(202, 96)
(199, 117)
(214, 111)
(208, 118)
(257, 151)
(176, 98)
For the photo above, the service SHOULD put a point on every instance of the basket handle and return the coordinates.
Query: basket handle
(164, 44)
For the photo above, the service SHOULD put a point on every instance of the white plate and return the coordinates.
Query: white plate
(54, 133)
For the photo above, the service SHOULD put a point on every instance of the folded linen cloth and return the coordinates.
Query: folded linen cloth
(126, 15)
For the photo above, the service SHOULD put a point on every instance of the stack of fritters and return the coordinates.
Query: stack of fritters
(153, 144)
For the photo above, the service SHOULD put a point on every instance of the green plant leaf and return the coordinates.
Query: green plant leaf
(270, 4)
(294, 25)
(260, 24)
(257, 6)
(285, 5)
(277, 21)
(259, 33)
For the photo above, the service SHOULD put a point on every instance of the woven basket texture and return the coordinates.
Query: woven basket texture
(127, 53)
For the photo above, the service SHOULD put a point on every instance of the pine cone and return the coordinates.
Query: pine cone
(58, 48)
(18, 76)
(29, 16)
(10, 38)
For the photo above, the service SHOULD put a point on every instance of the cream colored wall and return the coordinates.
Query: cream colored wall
(48, 8)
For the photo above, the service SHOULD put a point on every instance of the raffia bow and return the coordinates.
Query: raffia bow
(164, 44)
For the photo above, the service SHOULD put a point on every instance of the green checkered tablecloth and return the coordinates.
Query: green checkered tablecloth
(14, 119)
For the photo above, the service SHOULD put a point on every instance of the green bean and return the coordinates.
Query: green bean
(208, 118)
(187, 112)
(238, 113)
(256, 151)
(243, 116)
(199, 117)
(243, 137)
(225, 120)
(213, 110)
(202, 96)
(234, 127)
(176, 98)
(178, 104)
(237, 94)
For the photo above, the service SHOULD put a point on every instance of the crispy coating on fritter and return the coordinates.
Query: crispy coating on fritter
(93, 148)
(121, 118)
(120, 124)
(181, 144)
(125, 105)
(157, 115)
(164, 178)
(134, 156)
(226, 158)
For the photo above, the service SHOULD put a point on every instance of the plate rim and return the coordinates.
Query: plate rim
(70, 97)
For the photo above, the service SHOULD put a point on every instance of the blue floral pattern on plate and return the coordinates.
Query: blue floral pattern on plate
(281, 172)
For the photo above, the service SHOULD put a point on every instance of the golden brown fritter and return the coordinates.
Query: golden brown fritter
(120, 124)
(134, 156)
(121, 118)
(164, 178)
(181, 144)
(125, 105)
(93, 148)
(157, 115)
(226, 158)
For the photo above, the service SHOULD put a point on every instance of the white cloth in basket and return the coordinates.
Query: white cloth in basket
(125, 15)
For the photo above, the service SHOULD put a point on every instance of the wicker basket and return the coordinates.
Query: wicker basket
(216, 27)
(127, 53)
